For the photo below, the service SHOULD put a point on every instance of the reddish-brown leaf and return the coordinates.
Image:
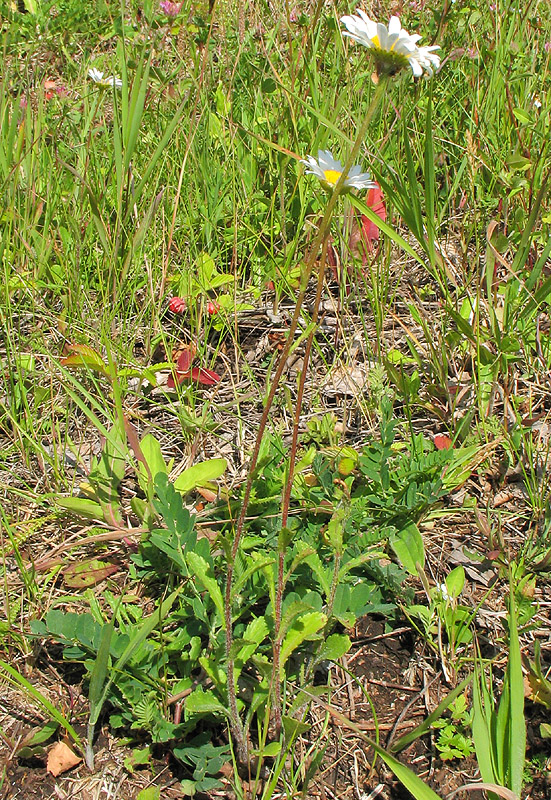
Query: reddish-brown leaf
(61, 758)
(84, 356)
(370, 232)
(184, 370)
(442, 442)
(184, 360)
(83, 574)
(208, 494)
(206, 376)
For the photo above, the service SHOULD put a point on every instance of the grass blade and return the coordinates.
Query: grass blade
(16, 678)
(515, 680)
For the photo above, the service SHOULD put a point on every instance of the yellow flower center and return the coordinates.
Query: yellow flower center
(332, 176)
(376, 42)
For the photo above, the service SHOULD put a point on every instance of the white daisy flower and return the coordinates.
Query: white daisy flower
(393, 47)
(329, 170)
(104, 80)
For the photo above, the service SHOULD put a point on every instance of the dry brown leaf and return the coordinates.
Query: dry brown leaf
(61, 758)
(348, 380)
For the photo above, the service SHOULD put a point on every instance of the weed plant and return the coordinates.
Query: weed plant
(169, 271)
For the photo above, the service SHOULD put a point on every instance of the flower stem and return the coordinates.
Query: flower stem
(310, 261)
(277, 707)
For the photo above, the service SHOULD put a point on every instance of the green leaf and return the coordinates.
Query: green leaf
(409, 548)
(259, 563)
(334, 647)
(255, 633)
(151, 450)
(515, 680)
(137, 758)
(99, 671)
(205, 269)
(204, 702)
(482, 711)
(322, 573)
(170, 506)
(202, 571)
(303, 628)
(200, 474)
(88, 509)
(335, 531)
(151, 793)
(294, 727)
(455, 582)
(270, 750)
(43, 734)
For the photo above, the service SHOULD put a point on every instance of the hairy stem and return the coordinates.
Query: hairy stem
(277, 707)
(309, 263)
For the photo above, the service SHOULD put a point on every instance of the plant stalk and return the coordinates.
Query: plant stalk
(323, 231)
(277, 707)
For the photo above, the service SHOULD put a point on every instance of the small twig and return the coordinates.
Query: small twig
(406, 708)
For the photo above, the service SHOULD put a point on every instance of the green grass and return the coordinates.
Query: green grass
(187, 181)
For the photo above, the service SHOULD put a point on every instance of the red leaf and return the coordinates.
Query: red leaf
(184, 370)
(206, 376)
(184, 360)
(442, 442)
(370, 232)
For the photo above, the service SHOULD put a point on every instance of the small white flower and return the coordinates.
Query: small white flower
(393, 47)
(329, 170)
(443, 591)
(104, 80)
(425, 59)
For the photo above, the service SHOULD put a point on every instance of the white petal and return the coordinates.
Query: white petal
(394, 25)
(405, 46)
(364, 17)
(416, 67)
(382, 35)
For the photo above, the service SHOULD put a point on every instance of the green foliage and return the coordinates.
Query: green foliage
(445, 622)
(454, 739)
(332, 576)
(499, 729)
